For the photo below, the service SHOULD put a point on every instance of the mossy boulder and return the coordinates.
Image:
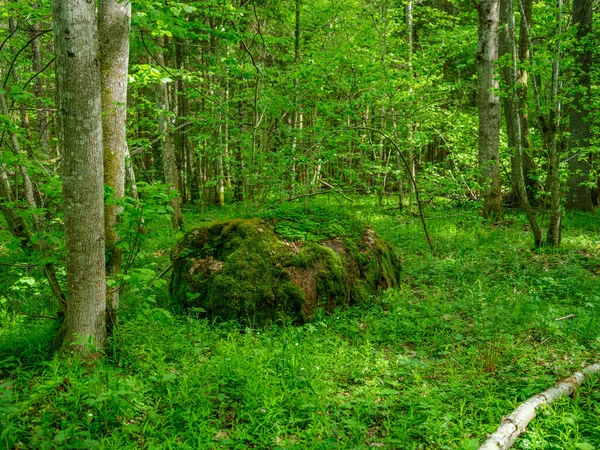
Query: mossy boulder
(281, 266)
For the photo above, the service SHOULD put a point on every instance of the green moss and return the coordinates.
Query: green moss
(244, 269)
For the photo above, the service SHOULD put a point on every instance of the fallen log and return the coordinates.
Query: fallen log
(514, 425)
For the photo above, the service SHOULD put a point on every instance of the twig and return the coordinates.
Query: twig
(570, 316)
(9, 71)
(135, 150)
(16, 306)
(336, 190)
(410, 176)
(165, 270)
(37, 74)
(20, 266)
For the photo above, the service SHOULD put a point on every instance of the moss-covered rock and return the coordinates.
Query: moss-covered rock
(282, 266)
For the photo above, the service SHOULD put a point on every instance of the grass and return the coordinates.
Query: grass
(435, 364)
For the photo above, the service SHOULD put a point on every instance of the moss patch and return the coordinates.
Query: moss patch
(282, 266)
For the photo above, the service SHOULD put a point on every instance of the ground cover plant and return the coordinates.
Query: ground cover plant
(434, 364)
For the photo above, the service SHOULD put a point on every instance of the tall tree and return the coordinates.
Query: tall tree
(36, 62)
(170, 169)
(114, 18)
(489, 109)
(512, 112)
(80, 141)
(551, 128)
(578, 193)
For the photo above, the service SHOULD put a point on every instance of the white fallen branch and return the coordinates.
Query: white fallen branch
(514, 425)
(570, 316)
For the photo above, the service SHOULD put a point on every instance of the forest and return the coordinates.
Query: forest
(302, 224)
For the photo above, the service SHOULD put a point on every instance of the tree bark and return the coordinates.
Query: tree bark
(578, 194)
(114, 17)
(489, 109)
(80, 141)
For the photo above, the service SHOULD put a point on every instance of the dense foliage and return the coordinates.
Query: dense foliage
(234, 107)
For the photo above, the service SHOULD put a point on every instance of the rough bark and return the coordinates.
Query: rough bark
(78, 95)
(578, 194)
(489, 109)
(514, 425)
(114, 17)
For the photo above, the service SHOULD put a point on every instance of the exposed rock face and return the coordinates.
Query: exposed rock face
(250, 270)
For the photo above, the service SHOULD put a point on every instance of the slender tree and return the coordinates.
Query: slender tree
(171, 172)
(489, 109)
(114, 17)
(550, 129)
(80, 141)
(36, 63)
(512, 113)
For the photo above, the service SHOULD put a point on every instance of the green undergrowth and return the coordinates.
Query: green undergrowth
(433, 364)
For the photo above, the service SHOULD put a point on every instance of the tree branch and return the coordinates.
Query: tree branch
(16, 306)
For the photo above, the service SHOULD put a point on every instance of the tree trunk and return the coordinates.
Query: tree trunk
(489, 109)
(114, 17)
(578, 194)
(171, 172)
(16, 223)
(79, 108)
(42, 120)
(551, 130)
(512, 113)
(529, 165)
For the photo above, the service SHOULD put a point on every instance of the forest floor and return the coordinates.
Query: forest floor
(434, 364)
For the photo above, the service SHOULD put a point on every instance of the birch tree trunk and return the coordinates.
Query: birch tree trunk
(489, 109)
(579, 195)
(80, 141)
(114, 17)
(515, 424)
